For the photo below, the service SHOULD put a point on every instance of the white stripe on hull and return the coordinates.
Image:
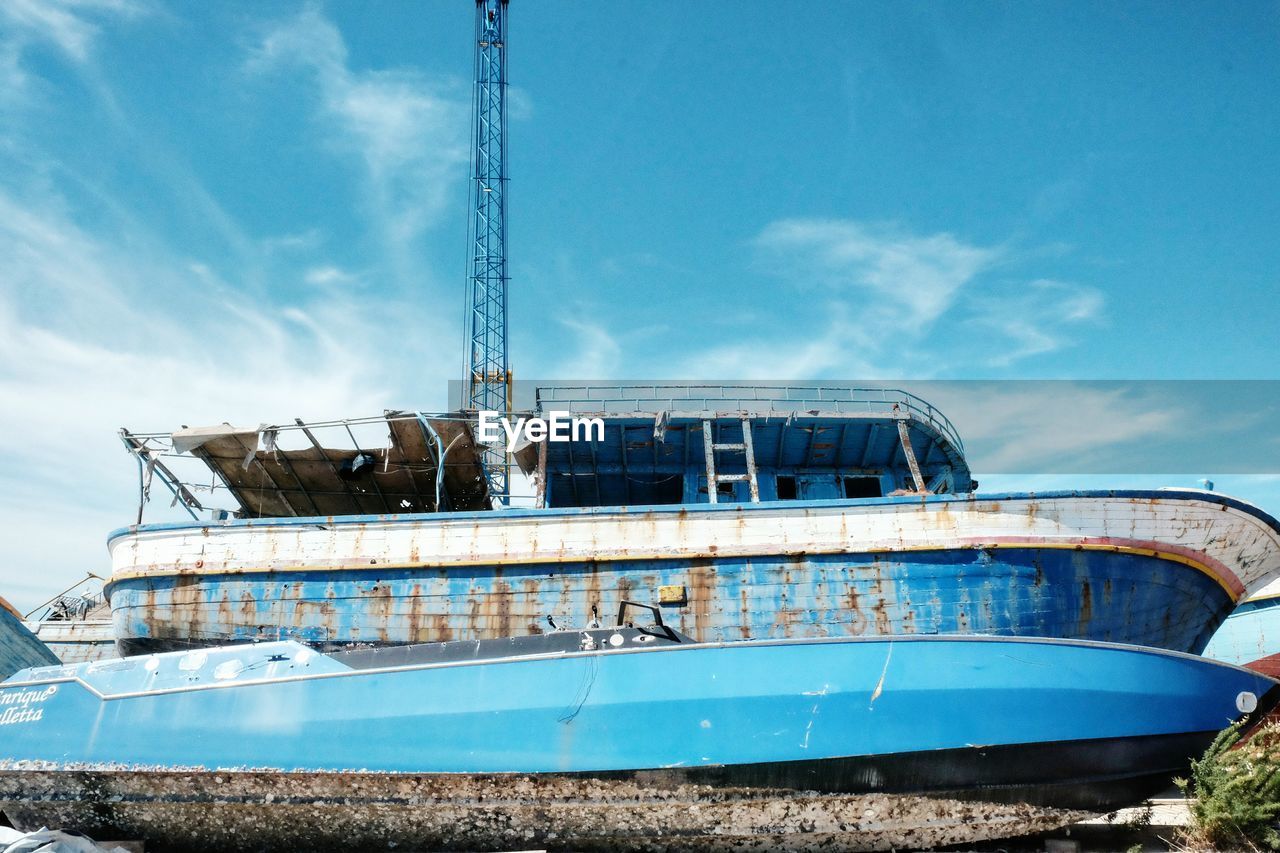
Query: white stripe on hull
(1229, 542)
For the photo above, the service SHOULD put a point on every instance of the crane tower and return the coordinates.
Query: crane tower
(487, 384)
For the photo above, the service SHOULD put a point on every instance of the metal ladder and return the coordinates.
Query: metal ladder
(710, 448)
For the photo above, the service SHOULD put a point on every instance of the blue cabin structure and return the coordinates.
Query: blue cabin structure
(666, 444)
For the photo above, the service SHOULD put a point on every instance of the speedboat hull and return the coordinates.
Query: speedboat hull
(612, 741)
(1159, 568)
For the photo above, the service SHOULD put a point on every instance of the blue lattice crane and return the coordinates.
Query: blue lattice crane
(487, 384)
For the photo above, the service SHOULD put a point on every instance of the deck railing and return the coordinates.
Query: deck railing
(185, 476)
(756, 399)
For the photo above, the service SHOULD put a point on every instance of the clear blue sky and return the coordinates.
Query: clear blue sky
(250, 211)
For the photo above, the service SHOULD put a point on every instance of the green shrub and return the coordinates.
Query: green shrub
(1236, 787)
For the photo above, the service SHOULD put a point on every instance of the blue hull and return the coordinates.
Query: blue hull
(284, 707)
(908, 742)
(1097, 595)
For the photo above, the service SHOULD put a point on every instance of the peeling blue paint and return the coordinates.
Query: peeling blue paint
(1087, 594)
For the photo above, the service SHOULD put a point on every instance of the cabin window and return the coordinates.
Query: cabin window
(862, 487)
(786, 488)
(655, 489)
(615, 489)
(724, 489)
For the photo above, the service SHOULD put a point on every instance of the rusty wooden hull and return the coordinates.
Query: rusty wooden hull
(19, 648)
(76, 640)
(1157, 568)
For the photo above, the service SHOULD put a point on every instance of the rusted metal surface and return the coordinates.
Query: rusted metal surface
(907, 451)
(319, 481)
(1154, 571)
(196, 810)
(1240, 548)
(1006, 591)
(540, 477)
(149, 464)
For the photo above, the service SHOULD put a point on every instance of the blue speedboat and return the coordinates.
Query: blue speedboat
(608, 737)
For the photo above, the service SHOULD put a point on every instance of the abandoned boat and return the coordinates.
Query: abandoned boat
(76, 623)
(1250, 636)
(746, 513)
(19, 648)
(607, 738)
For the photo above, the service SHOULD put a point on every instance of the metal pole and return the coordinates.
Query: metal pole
(488, 379)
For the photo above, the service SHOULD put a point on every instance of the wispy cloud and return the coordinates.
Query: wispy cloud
(597, 351)
(1057, 426)
(328, 276)
(1034, 317)
(68, 26)
(836, 346)
(95, 335)
(407, 131)
(106, 321)
(911, 279)
(881, 300)
(145, 339)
